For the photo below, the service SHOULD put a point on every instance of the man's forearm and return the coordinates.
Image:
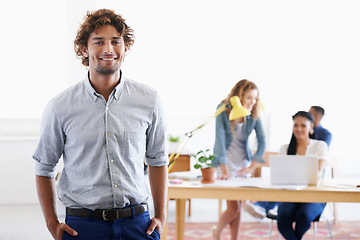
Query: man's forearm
(46, 194)
(158, 177)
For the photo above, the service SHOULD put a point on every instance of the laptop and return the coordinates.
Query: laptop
(293, 170)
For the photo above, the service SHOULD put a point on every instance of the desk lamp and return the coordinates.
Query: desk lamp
(236, 112)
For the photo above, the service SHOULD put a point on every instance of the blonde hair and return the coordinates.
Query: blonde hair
(239, 90)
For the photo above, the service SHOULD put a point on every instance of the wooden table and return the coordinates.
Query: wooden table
(186, 190)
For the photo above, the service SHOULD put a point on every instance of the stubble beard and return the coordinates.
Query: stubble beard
(109, 70)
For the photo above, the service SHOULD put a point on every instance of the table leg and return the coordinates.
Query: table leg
(164, 232)
(180, 218)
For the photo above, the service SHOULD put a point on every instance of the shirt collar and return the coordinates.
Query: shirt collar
(94, 95)
(120, 86)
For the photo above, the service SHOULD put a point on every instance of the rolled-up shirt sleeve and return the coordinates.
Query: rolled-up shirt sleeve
(156, 152)
(322, 151)
(51, 143)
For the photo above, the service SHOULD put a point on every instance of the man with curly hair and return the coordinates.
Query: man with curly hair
(104, 127)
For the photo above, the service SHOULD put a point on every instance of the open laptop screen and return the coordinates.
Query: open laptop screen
(294, 169)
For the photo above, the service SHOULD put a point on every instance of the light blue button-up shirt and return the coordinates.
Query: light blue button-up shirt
(103, 144)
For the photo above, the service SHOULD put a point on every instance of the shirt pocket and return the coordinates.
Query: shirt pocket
(133, 144)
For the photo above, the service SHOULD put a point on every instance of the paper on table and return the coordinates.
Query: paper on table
(185, 175)
(340, 183)
(254, 182)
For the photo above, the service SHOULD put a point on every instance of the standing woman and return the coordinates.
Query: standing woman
(301, 143)
(233, 156)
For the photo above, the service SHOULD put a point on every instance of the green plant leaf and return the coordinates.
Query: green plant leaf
(197, 154)
(203, 159)
(173, 138)
(197, 166)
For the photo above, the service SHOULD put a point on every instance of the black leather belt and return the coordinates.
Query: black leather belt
(107, 214)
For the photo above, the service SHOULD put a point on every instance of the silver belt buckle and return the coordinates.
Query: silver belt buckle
(105, 217)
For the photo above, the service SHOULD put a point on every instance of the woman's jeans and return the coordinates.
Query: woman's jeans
(134, 227)
(267, 205)
(300, 213)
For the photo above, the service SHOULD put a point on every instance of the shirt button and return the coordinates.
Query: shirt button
(107, 108)
(109, 134)
(115, 186)
(112, 160)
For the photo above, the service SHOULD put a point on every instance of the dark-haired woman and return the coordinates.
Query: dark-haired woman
(301, 143)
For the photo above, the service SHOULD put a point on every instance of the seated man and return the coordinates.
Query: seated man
(320, 133)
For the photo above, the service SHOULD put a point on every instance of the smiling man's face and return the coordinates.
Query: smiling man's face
(105, 50)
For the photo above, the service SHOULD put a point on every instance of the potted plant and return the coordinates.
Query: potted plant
(173, 142)
(172, 138)
(204, 162)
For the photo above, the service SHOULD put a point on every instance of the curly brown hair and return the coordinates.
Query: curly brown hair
(96, 19)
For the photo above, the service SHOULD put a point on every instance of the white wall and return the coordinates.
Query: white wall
(17, 179)
(34, 56)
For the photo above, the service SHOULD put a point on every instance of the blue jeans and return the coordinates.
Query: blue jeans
(300, 213)
(121, 229)
(267, 205)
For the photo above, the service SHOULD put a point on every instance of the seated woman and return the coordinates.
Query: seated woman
(301, 143)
